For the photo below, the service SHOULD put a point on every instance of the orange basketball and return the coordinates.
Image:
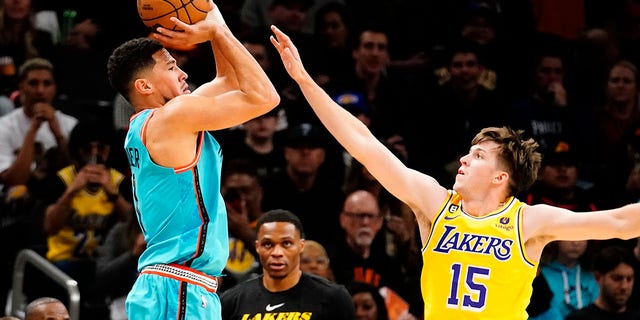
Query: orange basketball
(156, 13)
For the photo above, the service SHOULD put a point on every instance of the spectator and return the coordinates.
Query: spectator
(85, 199)
(573, 286)
(368, 302)
(284, 289)
(30, 136)
(546, 113)
(242, 192)
(259, 142)
(82, 55)
(634, 299)
(306, 186)
(614, 272)
(385, 92)
(46, 308)
(20, 40)
(24, 139)
(360, 254)
(559, 181)
(333, 29)
(609, 139)
(6, 104)
(402, 239)
(314, 259)
(256, 13)
(461, 96)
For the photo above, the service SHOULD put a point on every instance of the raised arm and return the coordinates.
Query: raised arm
(239, 92)
(421, 192)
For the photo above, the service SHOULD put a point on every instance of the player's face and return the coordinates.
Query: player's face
(279, 246)
(479, 168)
(168, 79)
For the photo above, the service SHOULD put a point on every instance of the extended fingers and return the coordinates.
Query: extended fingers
(281, 36)
(162, 32)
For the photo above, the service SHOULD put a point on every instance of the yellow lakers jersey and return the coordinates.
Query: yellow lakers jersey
(86, 224)
(476, 267)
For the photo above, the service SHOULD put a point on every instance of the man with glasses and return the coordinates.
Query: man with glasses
(361, 253)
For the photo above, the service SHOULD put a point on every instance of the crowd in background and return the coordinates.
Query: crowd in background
(424, 75)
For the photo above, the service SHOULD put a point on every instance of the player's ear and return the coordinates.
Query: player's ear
(142, 85)
(502, 176)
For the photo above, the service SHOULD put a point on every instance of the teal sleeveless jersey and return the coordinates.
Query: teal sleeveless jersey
(180, 210)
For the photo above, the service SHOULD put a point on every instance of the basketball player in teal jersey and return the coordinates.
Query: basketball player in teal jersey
(175, 163)
(481, 245)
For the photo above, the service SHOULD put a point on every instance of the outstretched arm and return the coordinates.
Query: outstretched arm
(552, 223)
(422, 193)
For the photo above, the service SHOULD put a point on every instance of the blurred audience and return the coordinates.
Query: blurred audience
(33, 141)
(614, 271)
(305, 186)
(20, 40)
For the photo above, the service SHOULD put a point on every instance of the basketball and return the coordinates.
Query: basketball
(156, 13)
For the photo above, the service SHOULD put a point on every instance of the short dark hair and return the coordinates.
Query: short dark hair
(373, 27)
(281, 215)
(239, 166)
(610, 257)
(128, 59)
(518, 153)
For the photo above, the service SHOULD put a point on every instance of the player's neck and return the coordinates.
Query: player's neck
(282, 284)
(481, 208)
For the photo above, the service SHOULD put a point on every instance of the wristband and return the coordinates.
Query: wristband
(215, 15)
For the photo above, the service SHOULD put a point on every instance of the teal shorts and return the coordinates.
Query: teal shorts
(170, 295)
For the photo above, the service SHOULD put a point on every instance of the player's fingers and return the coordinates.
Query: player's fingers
(275, 43)
(280, 35)
(181, 24)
